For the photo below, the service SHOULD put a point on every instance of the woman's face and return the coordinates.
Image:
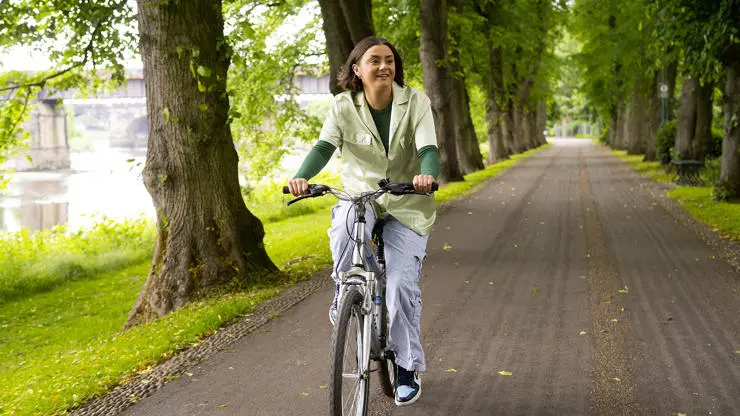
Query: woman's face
(376, 68)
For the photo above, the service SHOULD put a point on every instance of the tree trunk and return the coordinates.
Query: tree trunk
(541, 123)
(494, 110)
(433, 49)
(468, 149)
(686, 123)
(729, 179)
(652, 120)
(345, 22)
(206, 236)
(619, 134)
(703, 129)
(510, 127)
(636, 141)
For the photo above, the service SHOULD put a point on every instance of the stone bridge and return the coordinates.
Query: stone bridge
(121, 114)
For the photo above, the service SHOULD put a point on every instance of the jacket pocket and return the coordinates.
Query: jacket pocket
(362, 138)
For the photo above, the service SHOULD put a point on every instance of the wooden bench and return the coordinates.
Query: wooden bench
(688, 172)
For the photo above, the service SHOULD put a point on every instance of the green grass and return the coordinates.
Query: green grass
(723, 217)
(61, 344)
(653, 170)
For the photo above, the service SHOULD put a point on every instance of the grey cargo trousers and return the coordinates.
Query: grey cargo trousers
(404, 254)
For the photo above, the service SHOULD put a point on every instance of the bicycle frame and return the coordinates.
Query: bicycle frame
(362, 276)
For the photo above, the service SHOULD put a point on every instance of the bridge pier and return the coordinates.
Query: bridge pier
(49, 146)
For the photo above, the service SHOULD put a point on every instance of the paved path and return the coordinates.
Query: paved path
(564, 272)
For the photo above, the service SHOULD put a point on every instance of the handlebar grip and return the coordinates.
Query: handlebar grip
(435, 187)
(286, 190)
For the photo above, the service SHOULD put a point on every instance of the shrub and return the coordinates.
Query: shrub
(664, 141)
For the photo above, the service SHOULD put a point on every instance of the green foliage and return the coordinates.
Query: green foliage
(665, 139)
(713, 143)
(33, 262)
(712, 168)
(87, 43)
(267, 120)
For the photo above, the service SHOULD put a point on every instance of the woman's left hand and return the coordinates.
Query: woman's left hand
(423, 183)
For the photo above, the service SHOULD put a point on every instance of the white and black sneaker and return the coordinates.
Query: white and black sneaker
(408, 386)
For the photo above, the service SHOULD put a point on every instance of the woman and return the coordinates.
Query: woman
(383, 129)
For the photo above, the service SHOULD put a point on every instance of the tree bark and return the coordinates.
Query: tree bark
(703, 128)
(729, 179)
(494, 110)
(433, 49)
(206, 236)
(636, 141)
(619, 134)
(541, 123)
(652, 119)
(686, 123)
(345, 22)
(510, 127)
(468, 149)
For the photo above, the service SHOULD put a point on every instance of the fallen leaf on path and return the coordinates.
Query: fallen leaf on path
(697, 394)
(737, 352)
(617, 379)
(304, 394)
(542, 222)
(615, 320)
(582, 333)
(583, 277)
(504, 373)
(680, 414)
(467, 281)
(490, 283)
(470, 212)
(535, 289)
(223, 405)
(621, 309)
(324, 386)
(623, 291)
(450, 370)
(447, 247)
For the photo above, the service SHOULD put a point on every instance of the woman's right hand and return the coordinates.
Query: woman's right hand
(298, 186)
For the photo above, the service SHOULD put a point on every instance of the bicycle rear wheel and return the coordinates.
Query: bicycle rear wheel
(349, 386)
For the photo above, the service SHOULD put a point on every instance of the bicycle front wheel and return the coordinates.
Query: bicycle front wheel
(349, 384)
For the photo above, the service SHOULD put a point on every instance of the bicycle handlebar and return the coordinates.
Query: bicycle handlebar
(384, 186)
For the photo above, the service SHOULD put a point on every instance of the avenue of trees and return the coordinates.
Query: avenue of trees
(219, 82)
(664, 78)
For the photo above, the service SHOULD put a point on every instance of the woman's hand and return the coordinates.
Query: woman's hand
(423, 183)
(298, 186)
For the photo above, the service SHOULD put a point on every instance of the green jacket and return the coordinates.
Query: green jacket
(350, 128)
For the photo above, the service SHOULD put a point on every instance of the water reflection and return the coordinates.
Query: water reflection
(101, 182)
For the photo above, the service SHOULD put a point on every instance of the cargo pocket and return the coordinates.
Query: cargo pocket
(416, 310)
(419, 261)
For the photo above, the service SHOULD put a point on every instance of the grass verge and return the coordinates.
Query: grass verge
(723, 217)
(63, 345)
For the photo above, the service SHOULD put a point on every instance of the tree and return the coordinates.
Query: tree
(346, 22)
(437, 83)
(207, 237)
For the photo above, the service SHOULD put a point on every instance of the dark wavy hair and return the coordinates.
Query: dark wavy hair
(347, 78)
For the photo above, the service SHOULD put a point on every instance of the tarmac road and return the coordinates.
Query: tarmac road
(566, 272)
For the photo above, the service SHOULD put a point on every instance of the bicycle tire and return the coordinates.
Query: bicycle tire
(386, 367)
(348, 316)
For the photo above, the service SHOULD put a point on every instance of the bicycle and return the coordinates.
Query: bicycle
(361, 308)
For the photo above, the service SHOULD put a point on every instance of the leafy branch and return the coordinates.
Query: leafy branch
(87, 53)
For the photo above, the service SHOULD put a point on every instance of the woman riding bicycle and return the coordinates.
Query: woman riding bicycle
(383, 129)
